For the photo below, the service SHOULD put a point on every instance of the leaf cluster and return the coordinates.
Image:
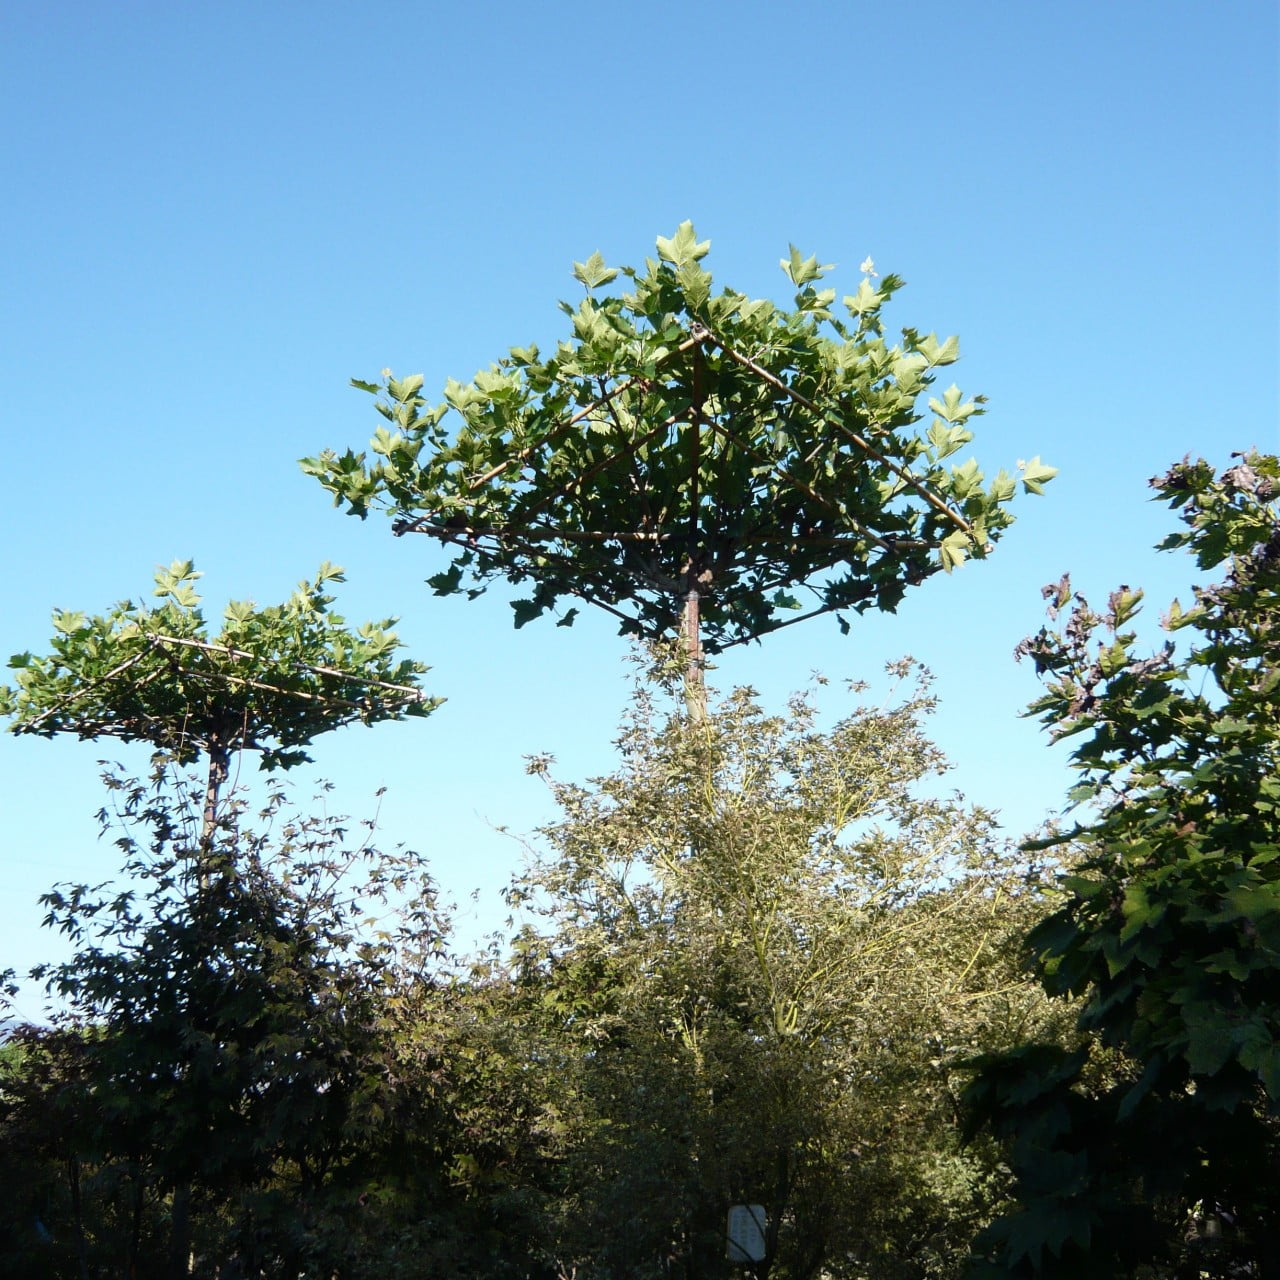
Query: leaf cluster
(682, 437)
(270, 680)
(1172, 922)
(1169, 926)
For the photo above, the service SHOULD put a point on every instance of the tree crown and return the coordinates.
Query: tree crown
(683, 440)
(272, 679)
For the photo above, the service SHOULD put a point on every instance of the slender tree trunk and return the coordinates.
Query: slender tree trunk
(219, 769)
(695, 687)
(135, 1218)
(780, 1198)
(180, 1233)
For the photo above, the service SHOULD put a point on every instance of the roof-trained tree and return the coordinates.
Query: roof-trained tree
(271, 680)
(692, 460)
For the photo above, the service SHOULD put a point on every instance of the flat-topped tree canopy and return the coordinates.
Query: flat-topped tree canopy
(271, 680)
(686, 447)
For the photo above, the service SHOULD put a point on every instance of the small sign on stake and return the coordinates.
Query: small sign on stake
(745, 1235)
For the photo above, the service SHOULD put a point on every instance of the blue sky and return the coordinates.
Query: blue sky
(217, 214)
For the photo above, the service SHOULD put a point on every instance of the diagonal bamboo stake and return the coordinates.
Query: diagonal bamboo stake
(903, 473)
(412, 694)
(68, 698)
(572, 422)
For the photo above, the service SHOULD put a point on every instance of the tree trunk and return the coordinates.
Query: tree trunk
(138, 1191)
(695, 687)
(219, 769)
(77, 1216)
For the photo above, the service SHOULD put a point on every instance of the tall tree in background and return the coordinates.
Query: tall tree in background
(691, 462)
(763, 945)
(1169, 927)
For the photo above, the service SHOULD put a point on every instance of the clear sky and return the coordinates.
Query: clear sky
(214, 215)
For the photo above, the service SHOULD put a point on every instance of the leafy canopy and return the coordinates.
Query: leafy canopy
(758, 947)
(271, 680)
(683, 440)
(1172, 924)
(1169, 924)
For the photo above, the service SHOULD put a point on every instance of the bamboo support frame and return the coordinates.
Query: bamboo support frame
(449, 533)
(154, 642)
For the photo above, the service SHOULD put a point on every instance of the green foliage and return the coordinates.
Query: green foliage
(271, 680)
(41, 1088)
(224, 1042)
(1169, 927)
(682, 439)
(220, 1083)
(761, 950)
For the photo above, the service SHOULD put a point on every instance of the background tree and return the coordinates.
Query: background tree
(762, 946)
(231, 1042)
(270, 681)
(690, 461)
(1170, 926)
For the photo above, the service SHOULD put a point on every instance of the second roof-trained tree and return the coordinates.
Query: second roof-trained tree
(272, 680)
